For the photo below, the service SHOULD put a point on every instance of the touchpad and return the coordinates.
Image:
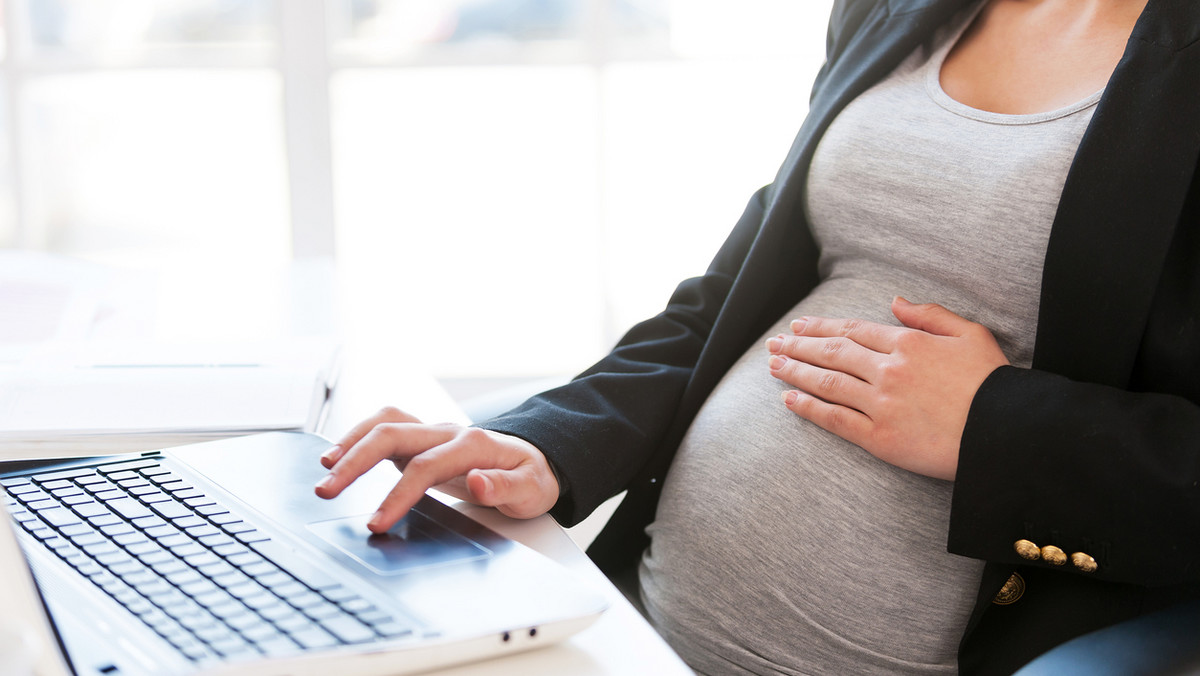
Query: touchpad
(415, 542)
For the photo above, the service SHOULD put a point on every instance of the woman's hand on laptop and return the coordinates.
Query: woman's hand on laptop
(479, 466)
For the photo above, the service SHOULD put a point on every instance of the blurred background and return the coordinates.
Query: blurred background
(498, 188)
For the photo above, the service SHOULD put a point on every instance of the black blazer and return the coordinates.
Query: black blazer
(1094, 449)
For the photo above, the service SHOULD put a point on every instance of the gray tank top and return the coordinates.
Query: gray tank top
(780, 548)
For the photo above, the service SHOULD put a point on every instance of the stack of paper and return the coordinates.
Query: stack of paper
(110, 406)
(84, 368)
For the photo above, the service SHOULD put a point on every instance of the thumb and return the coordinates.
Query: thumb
(504, 489)
(928, 317)
(482, 485)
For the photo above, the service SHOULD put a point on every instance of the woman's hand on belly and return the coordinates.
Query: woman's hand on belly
(901, 393)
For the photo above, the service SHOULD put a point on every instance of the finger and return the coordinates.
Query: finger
(385, 440)
(847, 423)
(431, 468)
(837, 354)
(930, 318)
(871, 335)
(826, 384)
(387, 414)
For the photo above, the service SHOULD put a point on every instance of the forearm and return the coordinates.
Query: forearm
(1085, 468)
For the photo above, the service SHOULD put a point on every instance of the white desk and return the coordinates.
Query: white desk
(375, 373)
(619, 643)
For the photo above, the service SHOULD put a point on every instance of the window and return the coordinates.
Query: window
(506, 185)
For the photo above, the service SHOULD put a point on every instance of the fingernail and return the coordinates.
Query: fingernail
(775, 344)
(376, 518)
(777, 362)
(487, 486)
(790, 397)
(798, 325)
(325, 483)
(331, 453)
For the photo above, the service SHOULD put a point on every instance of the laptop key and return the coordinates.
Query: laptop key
(347, 629)
(130, 465)
(140, 544)
(216, 631)
(234, 646)
(173, 542)
(58, 516)
(190, 521)
(126, 538)
(169, 509)
(223, 518)
(277, 647)
(175, 486)
(251, 537)
(58, 485)
(76, 529)
(306, 600)
(255, 568)
(374, 617)
(200, 586)
(228, 610)
(392, 629)
(162, 531)
(38, 529)
(245, 623)
(216, 540)
(184, 577)
(322, 611)
(89, 509)
(161, 477)
(148, 521)
(106, 519)
(65, 474)
(74, 499)
(37, 499)
(313, 637)
(129, 508)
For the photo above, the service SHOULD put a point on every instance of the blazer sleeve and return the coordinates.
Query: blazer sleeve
(1087, 468)
(598, 430)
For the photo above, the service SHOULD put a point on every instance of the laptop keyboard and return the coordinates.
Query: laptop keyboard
(200, 575)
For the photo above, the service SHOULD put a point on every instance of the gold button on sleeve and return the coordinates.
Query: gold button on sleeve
(1011, 592)
(1027, 550)
(1053, 555)
(1084, 562)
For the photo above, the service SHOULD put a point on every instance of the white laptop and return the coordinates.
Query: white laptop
(218, 558)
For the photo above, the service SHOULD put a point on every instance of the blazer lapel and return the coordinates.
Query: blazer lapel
(1122, 201)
